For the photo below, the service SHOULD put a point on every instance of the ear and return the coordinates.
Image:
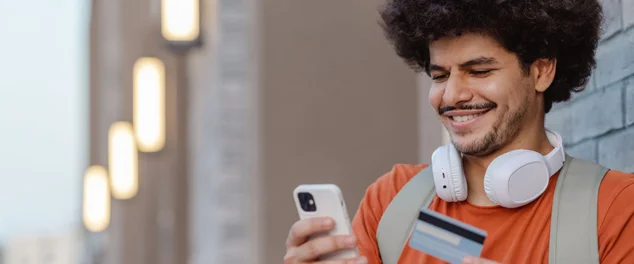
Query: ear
(543, 73)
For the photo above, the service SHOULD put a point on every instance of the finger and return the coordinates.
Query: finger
(301, 230)
(324, 245)
(290, 257)
(359, 260)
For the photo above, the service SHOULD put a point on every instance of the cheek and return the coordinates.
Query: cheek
(510, 86)
(496, 90)
(435, 96)
(510, 93)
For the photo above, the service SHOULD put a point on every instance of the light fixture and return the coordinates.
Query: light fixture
(149, 104)
(122, 161)
(96, 204)
(180, 22)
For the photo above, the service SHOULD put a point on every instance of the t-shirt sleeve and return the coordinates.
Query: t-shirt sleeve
(376, 199)
(616, 227)
(366, 222)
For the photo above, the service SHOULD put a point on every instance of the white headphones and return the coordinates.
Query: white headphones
(512, 180)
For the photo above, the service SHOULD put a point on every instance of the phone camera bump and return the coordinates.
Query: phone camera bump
(307, 202)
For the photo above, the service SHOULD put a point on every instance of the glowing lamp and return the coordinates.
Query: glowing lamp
(122, 161)
(149, 104)
(180, 21)
(96, 204)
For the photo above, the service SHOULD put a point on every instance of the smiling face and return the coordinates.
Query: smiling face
(482, 94)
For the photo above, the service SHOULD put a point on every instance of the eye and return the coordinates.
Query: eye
(480, 73)
(439, 77)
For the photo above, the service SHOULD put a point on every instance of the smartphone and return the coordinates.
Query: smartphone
(319, 200)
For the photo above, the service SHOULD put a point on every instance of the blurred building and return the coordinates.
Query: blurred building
(61, 248)
(281, 93)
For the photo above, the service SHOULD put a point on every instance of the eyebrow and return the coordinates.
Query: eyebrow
(469, 63)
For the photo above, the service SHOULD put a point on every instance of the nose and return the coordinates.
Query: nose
(456, 91)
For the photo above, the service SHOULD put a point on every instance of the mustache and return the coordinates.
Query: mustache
(481, 106)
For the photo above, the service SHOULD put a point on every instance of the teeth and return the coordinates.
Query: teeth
(461, 119)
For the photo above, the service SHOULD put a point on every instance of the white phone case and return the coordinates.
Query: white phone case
(328, 201)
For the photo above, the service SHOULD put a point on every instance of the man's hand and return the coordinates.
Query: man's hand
(301, 251)
(476, 260)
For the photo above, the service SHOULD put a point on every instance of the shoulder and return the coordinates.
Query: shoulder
(399, 175)
(615, 214)
(388, 185)
(616, 194)
(615, 180)
(376, 199)
(381, 192)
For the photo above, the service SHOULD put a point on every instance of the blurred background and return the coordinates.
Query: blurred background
(174, 131)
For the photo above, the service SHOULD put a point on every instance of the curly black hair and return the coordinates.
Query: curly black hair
(568, 30)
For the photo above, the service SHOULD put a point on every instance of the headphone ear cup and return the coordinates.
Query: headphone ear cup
(516, 178)
(497, 176)
(448, 177)
(458, 180)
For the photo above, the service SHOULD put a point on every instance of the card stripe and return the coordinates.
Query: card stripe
(438, 233)
(458, 230)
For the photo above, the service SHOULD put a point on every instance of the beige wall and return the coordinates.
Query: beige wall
(432, 133)
(337, 106)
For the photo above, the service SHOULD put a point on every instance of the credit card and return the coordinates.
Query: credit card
(446, 238)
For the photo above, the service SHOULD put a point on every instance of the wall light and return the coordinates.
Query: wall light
(122, 161)
(180, 21)
(149, 104)
(96, 204)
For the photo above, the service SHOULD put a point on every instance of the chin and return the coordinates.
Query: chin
(465, 138)
(473, 144)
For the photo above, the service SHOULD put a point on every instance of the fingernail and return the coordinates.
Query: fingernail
(326, 222)
(362, 260)
(350, 241)
(467, 260)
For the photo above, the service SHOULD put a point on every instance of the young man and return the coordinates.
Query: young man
(497, 67)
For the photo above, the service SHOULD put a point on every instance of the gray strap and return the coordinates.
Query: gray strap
(400, 215)
(573, 226)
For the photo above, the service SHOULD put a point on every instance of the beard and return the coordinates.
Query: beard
(503, 131)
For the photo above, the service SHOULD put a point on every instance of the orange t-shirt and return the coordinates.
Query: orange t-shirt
(514, 235)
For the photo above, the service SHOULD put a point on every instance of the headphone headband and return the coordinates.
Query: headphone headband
(556, 158)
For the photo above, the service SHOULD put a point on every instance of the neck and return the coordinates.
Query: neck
(475, 167)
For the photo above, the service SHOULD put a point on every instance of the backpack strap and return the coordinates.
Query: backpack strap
(573, 224)
(575, 240)
(400, 215)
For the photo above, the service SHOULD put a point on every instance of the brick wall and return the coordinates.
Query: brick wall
(598, 123)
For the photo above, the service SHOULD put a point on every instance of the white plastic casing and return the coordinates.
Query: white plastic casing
(329, 202)
(516, 178)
